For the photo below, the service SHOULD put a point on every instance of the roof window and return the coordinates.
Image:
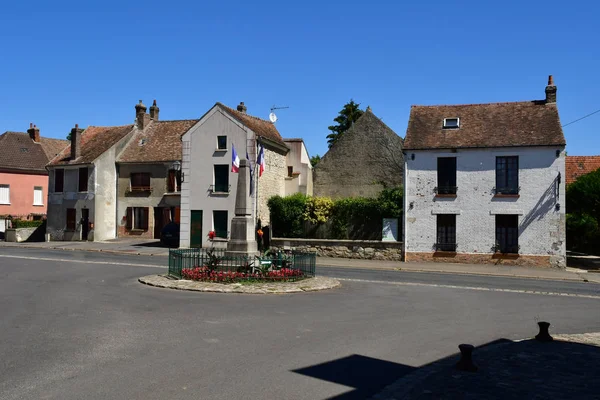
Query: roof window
(451, 123)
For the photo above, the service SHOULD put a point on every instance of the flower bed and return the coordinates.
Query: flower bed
(205, 274)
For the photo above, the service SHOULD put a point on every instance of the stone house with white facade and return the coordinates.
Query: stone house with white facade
(299, 177)
(208, 184)
(484, 183)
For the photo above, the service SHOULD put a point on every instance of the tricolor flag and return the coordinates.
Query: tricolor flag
(235, 160)
(251, 174)
(261, 160)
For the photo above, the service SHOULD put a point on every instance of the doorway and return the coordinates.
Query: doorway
(85, 223)
(196, 228)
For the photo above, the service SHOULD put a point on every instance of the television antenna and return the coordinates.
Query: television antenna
(272, 116)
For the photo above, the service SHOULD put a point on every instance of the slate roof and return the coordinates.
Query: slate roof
(19, 151)
(259, 126)
(577, 166)
(526, 123)
(160, 141)
(95, 140)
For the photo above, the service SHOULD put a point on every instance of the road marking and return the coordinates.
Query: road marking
(478, 288)
(84, 261)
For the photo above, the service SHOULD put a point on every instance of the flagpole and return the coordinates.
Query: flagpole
(257, 176)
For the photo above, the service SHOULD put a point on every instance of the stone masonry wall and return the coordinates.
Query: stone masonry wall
(271, 183)
(360, 249)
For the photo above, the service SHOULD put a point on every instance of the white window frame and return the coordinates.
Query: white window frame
(41, 189)
(452, 127)
(7, 201)
(226, 143)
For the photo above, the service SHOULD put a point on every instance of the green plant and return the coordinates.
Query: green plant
(287, 215)
(583, 218)
(22, 223)
(318, 209)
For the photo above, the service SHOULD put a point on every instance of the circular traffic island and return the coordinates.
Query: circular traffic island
(249, 287)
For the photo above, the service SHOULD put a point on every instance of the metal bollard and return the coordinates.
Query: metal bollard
(466, 358)
(544, 335)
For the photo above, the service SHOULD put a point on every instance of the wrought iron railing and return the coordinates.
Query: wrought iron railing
(445, 246)
(295, 265)
(445, 189)
(506, 249)
(507, 190)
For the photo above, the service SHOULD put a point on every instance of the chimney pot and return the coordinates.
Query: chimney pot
(242, 108)
(76, 142)
(154, 110)
(34, 132)
(141, 118)
(550, 91)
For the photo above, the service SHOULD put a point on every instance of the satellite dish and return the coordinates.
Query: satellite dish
(273, 117)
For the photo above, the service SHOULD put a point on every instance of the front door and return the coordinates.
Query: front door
(158, 222)
(85, 223)
(196, 229)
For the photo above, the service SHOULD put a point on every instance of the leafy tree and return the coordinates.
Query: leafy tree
(314, 160)
(348, 115)
(583, 218)
(69, 136)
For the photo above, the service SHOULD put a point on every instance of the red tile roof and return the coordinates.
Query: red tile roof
(160, 141)
(259, 126)
(527, 123)
(95, 140)
(19, 151)
(577, 166)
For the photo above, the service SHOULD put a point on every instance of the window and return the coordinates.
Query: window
(451, 123)
(446, 175)
(71, 219)
(507, 175)
(137, 218)
(38, 196)
(507, 234)
(222, 142)
(446, 232)
(173, 184)
(4, 194)
(221, 178)
(59, 180)
(290, 171)
(220, 224)
(83, 179)
(140, 181)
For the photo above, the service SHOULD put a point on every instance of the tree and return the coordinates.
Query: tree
(583, 213)
(348, 115)
(69, 136)
(314, 160)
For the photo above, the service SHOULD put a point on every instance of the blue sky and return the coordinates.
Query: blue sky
(67, 62)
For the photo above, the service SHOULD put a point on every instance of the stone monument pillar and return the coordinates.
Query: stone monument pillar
(242, 241)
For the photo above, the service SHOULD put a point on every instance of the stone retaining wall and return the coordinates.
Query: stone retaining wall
(362, 249)
(19, 234)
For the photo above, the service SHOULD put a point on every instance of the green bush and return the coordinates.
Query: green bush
(350, 218)
(23, 223)
(583, 214)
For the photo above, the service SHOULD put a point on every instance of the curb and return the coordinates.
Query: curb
(308, 285)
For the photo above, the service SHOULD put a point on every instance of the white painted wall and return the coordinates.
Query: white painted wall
(541, 226)
(199, 157)
(299, 159)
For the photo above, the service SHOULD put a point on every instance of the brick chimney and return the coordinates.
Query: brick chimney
(550, 91)
(241, 107)
(34, 133)
(154, 111)
(76, 142)
(141, 118)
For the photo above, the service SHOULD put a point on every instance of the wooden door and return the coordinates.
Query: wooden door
(196, 229)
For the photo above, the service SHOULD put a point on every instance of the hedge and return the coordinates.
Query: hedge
(23, 223)
(583, 214)
(358, 218)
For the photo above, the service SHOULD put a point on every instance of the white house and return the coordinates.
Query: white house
(484, 183)
(209, 187)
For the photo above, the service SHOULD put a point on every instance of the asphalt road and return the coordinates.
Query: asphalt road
(78, 325)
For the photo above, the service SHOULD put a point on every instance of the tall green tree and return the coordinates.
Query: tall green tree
(314, 160)
(348, 115)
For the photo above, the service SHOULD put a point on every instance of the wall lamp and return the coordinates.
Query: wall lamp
(176, 166)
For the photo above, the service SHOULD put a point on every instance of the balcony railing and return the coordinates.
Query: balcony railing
(507, 190)
(445, 246)
(445, 189)
(506, 249)
(219, 188)
(140, 189)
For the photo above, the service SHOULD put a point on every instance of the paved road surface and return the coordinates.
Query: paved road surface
(78, 325)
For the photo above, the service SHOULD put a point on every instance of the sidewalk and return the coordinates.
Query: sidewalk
(145, 247)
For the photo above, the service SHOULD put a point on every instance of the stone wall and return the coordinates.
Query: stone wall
(271, 183)
(19, 234)
(360, 249)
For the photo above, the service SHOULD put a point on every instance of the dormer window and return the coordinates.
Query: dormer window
(451, 123)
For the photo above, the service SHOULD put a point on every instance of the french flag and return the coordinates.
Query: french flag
(235, 160)
(261, 161)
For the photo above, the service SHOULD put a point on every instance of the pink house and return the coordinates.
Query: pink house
(23, 174)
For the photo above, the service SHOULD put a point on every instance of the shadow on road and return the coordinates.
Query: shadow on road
(506, 369)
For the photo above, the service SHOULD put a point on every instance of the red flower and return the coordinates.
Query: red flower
(212, 235)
